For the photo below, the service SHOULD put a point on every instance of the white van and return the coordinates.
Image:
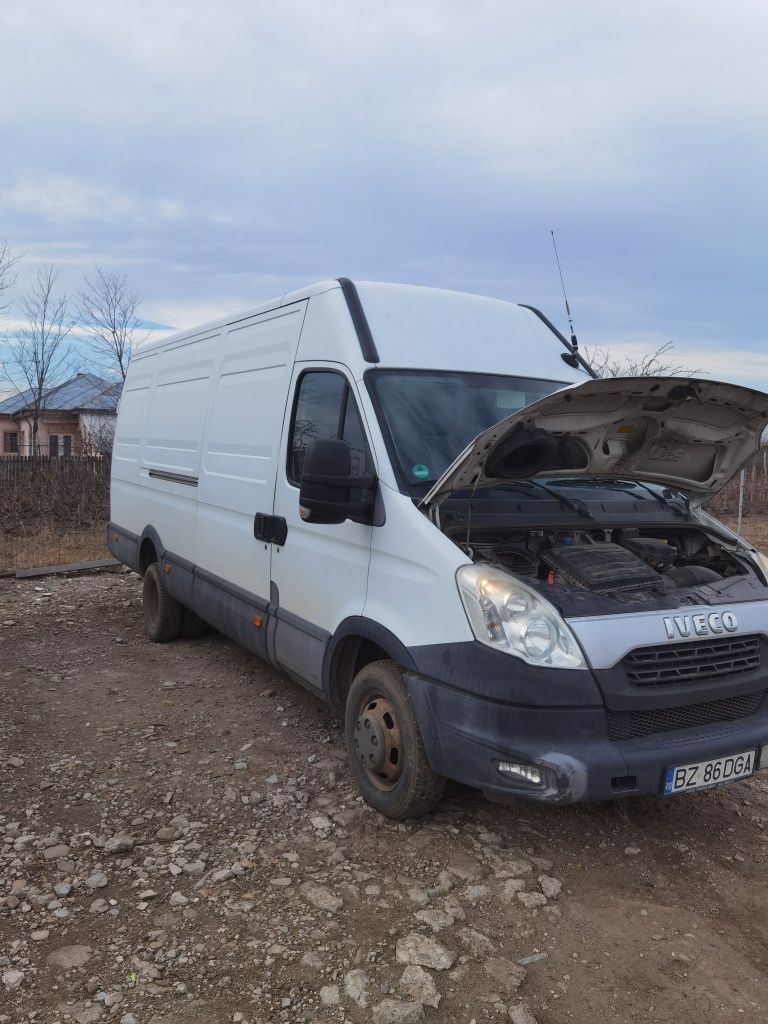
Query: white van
(420, 505)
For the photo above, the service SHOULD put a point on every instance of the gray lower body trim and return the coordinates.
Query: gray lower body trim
(299, 647)
(283, 639)
(233, 615)
(229, 588)
(123, 545)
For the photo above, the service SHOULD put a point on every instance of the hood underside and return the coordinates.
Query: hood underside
(692, 435)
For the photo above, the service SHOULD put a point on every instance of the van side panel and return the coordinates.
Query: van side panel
(129, 437)
(242, 438)
(172, 442)
(175, 428)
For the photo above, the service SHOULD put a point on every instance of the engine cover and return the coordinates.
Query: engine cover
(602, 568)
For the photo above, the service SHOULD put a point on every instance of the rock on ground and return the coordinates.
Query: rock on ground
(520, 1014)
(13, 979)
(419, 985)
(356, 985)
(424, 951)
(506, 973)
(390, 1011)
(329, 995)
(532, 900)
(69, 957)
(321, 898)
(551, 887)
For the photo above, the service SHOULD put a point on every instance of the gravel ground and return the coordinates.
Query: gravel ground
(181, 842)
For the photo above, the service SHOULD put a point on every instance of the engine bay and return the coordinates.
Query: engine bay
(593, 571)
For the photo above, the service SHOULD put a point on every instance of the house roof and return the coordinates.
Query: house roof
(83, 392)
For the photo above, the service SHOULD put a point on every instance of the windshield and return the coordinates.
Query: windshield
(430, 416)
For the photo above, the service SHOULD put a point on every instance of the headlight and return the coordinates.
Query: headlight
(506, 614)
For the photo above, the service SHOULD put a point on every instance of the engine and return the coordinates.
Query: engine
(622, 565)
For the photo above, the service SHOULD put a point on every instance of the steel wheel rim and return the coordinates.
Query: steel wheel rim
(378, 741)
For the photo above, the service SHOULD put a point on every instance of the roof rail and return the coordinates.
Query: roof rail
(356, 311)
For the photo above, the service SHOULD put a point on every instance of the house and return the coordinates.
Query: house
(76, 418)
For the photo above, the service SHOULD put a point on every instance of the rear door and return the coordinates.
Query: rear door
(321, 571)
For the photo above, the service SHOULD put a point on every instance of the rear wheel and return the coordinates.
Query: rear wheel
(385, 747)
(162, 613)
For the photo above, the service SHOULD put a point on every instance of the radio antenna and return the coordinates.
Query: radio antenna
(574, 340)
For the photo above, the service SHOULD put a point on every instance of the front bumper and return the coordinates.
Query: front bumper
(467, 735)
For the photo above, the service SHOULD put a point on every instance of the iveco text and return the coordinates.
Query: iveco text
(701, 625)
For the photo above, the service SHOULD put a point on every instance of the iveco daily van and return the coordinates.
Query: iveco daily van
(420, 505)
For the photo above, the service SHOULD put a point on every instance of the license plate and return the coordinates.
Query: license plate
(703, 774)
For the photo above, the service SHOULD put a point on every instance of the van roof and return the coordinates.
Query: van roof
(400, 325)
(242, 314)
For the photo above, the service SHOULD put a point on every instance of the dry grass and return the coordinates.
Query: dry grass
(48, 546)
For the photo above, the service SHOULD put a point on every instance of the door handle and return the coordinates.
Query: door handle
(270, 529)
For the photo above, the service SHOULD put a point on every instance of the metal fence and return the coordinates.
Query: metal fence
(67, 492)
(16, 467)
(52, 510)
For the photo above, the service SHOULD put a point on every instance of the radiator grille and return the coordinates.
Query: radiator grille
(687, 662)
(627, 725)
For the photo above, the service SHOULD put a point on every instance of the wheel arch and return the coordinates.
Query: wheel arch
(356, 643)
(150, 548)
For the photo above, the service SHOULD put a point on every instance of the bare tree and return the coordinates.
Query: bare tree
(659, 363)
(39, 357)
(98, 430)
(7, 272)
(108, 311)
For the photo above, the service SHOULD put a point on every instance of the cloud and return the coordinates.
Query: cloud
(61, 199)
(220, 157)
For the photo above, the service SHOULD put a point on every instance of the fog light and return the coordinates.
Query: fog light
(528, 772)
(762, 764)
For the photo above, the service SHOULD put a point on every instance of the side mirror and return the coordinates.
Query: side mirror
(329, 492)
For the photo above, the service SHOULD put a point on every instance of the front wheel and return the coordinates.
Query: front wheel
(385, 747)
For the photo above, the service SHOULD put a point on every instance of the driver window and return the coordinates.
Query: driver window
(324, 409)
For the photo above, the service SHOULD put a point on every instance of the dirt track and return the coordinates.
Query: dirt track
(248, 883)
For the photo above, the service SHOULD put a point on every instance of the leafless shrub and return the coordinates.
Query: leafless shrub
(53, 494)
(658, 363)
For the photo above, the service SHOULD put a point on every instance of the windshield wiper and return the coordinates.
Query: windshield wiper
(678, 504)
(574, 504)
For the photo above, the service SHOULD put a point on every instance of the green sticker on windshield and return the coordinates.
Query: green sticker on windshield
(420, 471)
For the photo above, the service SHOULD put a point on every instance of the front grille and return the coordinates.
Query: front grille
(629, 725)
(685, 663)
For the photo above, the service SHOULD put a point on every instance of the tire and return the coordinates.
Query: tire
(162, 613)
(385, 747)
(192, 626)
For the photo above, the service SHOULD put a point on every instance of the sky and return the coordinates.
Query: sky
(220, 155)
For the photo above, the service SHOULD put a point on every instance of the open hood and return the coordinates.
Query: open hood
(692, 435)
